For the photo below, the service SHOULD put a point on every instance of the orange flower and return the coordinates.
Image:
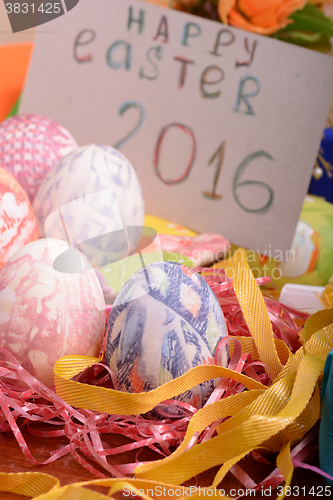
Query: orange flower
(261, 16)
(160, 3)
(321, 3)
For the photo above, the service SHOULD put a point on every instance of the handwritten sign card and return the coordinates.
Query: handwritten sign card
(223, 126)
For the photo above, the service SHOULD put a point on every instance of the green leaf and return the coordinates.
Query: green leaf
(14, 109)
(312, 20)
(313, 41)
(301, 36)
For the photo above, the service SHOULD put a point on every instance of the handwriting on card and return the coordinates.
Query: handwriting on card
(222, 125)
(120, 54)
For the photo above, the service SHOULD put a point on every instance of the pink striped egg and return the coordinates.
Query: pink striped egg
(30, 145)
(45, 313)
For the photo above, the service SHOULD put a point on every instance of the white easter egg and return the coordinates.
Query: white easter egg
(92, 198)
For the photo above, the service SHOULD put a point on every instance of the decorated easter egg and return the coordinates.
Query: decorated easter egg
(30, 145)
(302, 258)
(93, 199)
(308, 261)
(45, 313)
(17, 220)
(164, 321)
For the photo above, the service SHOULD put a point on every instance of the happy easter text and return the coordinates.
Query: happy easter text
(120, 54)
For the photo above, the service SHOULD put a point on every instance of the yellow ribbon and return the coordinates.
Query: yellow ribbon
(270, 417)
(29, 484)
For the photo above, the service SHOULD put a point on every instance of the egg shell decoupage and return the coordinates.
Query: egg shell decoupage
(17, 220)
(98, 193)
(46, 314)
(30, 145)
(164, 321)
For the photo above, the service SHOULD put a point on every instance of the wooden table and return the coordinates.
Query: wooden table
(67, 469)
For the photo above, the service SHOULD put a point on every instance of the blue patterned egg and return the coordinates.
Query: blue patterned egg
(164, 321)
(92, 198)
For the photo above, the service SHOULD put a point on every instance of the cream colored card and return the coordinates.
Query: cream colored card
(222, 125)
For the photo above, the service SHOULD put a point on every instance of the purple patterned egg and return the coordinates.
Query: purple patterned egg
(164, 321)
(30, 145)
(46, 314)
(93, 199)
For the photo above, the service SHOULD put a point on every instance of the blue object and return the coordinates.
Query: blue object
(326, 424)
(322, 181)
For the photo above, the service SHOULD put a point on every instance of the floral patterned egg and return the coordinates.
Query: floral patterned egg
(30, 145)
(17, 220)
(46, 314)
(164, 321)
(93, 199)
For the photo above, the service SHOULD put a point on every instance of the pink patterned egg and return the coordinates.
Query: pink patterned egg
(45, 313)
(30, 145)
(17, 220)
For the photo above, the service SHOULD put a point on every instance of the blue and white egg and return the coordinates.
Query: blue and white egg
(92, 199)
(164, 321)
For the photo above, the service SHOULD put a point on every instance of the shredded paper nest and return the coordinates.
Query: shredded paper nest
(267, 399)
